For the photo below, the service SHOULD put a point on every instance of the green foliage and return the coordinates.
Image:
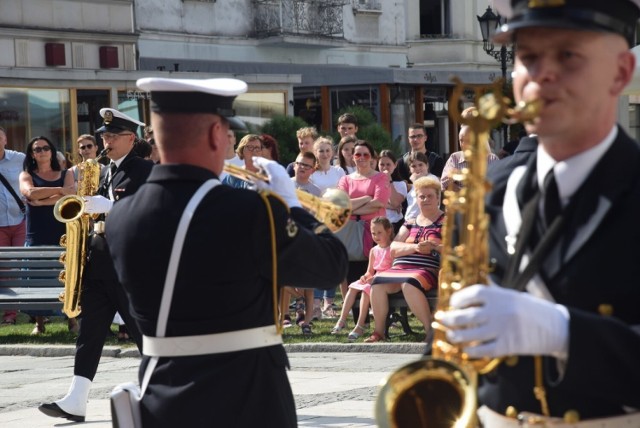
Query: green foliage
(283, 129)
(370, 130)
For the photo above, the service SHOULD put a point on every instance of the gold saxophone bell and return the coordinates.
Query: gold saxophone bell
(440, 391)
(70, 209)
(333, 208)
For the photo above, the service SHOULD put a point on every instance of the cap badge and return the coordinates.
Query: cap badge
(108, 117)
(546, 3)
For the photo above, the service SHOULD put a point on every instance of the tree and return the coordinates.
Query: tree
(283, 128)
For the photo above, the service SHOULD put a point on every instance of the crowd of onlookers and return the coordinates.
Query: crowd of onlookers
(399, 220)
(397, 201)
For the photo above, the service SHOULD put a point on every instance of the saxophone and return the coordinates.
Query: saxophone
(440, 391)
(70, 210)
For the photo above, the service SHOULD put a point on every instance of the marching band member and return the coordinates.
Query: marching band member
(224, 285)
(102, 295)
(562, 231)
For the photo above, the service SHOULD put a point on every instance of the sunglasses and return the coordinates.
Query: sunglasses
(87, 147)
(41, 149)
(362, 155)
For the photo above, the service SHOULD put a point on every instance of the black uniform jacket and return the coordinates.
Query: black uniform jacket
(224, 283)
(131, 174)
(595, 273)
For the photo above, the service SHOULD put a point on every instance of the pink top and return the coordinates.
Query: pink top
(376, 186)
(381, 258)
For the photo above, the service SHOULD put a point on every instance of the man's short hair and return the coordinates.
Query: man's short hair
(417, 126)
(347, 118)
(309, 131)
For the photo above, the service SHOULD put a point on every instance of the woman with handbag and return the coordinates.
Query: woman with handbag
(369, 191)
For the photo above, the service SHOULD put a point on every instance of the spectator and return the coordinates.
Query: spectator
(345, 153)
(155, 154)
(379, 261)
(148, 133)
(270, 148)
(325, 175)
(418, 143)
(416, 261)
(369, 192)
(387, 165)
(250, 146)
(87, 149)
(232, 157)
(143, 149)
(419, 167)
(42, 183)
(347, 125)
(12, 218)
(306, 136)
(304, 166)
(457, 161)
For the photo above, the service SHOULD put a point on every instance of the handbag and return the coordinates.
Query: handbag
(352, 237)
(126, 397)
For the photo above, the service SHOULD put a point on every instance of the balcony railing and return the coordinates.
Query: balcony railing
(310, 18)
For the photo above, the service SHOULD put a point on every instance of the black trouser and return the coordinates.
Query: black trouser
(100, 301)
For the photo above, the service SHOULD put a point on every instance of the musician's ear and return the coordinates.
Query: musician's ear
(218, 136)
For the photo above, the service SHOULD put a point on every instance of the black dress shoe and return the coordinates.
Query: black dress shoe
(53, 410)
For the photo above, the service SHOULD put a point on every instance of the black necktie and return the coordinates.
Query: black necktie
(552, 205)
(112, 168)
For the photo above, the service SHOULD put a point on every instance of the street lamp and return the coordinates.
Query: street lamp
(489, 23)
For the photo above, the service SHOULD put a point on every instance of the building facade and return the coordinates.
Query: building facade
(65, 59)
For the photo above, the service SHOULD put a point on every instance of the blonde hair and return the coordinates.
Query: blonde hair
(246, 140)
(309, 131)
(428, 183)
(323, 140)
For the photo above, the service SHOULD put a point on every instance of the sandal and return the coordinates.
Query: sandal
(37, 330)
(339, 326)
(354, 335)
(374, 338)
(306, 329)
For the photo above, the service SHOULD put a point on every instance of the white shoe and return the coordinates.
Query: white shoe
(75, 402)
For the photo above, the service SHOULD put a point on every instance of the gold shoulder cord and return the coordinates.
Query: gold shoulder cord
(274, 257)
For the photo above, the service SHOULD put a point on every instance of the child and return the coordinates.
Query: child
(419, 167)
(379, 261)
(387, 164)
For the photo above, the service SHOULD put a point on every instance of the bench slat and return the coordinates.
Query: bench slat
(29, 278)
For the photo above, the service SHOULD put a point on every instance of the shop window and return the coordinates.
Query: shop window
(25, 113)
(307, 105)
(363, 96)
(256, 108)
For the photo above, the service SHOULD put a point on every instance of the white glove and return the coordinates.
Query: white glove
(279, 180)
(97, 204)
(491, 321)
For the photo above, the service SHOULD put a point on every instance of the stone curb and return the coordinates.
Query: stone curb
(132, 352)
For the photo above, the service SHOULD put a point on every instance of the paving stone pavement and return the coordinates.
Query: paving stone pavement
(334, 386)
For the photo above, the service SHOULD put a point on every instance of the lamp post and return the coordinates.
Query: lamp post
(489, 23)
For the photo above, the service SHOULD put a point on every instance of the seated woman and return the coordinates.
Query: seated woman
(416, 253)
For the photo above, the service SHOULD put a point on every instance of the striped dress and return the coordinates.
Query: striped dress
(419, 270)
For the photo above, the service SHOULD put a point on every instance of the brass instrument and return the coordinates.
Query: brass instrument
(333, 209)
(70, 210)
(440, 391)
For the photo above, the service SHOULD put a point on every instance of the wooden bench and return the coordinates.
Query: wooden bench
(29, 278)
(398, 310)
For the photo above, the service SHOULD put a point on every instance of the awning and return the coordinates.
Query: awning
(324, 74)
